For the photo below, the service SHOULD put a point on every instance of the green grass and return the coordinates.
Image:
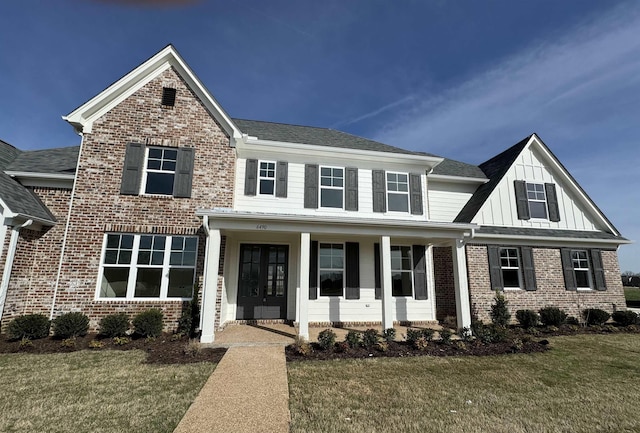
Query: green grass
(632, 293)
(104, 391)
(586, 383)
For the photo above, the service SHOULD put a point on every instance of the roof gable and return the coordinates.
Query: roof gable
(535, 161)
(82, 118)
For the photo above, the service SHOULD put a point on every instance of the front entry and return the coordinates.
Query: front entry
(262, 282)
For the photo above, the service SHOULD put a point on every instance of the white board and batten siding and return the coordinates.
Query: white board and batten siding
(294, 202)
(500, 209)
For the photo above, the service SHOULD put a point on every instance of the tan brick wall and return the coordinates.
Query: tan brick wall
(445, 286)
(99, 207)
(550, 282)
(35, 265)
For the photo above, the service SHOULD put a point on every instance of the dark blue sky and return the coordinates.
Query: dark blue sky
(462, 79)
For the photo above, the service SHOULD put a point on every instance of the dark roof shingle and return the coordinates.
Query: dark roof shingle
(22, 200)
(60, 160)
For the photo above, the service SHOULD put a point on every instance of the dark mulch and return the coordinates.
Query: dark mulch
(400, 349)
(167, 349)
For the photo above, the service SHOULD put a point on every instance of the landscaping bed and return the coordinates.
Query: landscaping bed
(165, 349)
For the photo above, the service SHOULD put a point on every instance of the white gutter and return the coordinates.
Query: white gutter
(548, 239)
(205, 224)
(456, 179)
(66, 232)
(30, 174)
(8, 264)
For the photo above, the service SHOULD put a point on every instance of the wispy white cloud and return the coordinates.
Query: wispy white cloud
(402, 101)
(578, 91)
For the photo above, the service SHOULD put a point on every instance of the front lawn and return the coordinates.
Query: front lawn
(586, 383)
(632, 294)
(103, 391)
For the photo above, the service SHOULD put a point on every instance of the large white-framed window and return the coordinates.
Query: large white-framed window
(332, 187)
(145, 266)
(397, 192)
(159, 170)
(537, 198)
(331, 269)
(401, 271)
(581, 269)
(510, 267)
(267, 177)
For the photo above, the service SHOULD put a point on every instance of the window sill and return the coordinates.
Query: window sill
(142, 299)
(159, 196)
(512, 289)
(584, 289)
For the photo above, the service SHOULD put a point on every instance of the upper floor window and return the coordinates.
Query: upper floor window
(331, 269)
(397, 192)
(267, 177)
(157, 170)
(401, 271)
(160, 170)
(148, 266)
(510, 266)
(331, 187)
(536, 200)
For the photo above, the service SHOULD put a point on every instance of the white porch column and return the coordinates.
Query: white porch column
(208, 305)
(387, 305)
(461, 281)
(8, 266)
(303, 286)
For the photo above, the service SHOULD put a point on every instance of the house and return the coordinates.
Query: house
(167, 192)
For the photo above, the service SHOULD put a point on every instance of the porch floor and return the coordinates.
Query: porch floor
(282, 334)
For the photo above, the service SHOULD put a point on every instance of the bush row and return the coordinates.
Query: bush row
(68, 325)
(553, 316)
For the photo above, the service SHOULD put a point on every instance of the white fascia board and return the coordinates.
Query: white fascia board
(251, 146)
(49, 180)
(574, 187)
(232, 220)
(83, 117)
(548, 241)
(455, 179)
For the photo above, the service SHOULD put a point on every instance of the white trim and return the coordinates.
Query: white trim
(303, 289)
(8, 264)
(409, 271)
(343, 269)
(405, 193)
(330, 187)
(461, 284)
(210, 286)
(385, 275)
(547, 240)
(82, 118)
(145, 170)
(272, 179)
(36, 175)
(511, 268)
(455, 179)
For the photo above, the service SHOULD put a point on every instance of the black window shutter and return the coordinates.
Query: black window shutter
(495, 271)
(419, 272)
(184, 172)
(379, 191)
(311, 186)
(376, 258)
(351, 189)
(415, 188)
(567, 268)
(598, 269)
(528, 270)
(313, 270)
(132, 170)
(352, 269)
(552, 202)
(522, 203)
(251, 177)
(281, 178)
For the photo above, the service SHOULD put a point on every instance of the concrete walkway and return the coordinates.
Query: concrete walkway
(247, 392)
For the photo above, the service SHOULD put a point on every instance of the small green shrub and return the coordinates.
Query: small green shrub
(114, 325)
(121, 341)
(595, 316)
(445, 335)
(370, 338)
(148, 323)
(25, 342)
(68, 343)
(500, 315)
(413, 335)
(342, 346)
(70, 325)
(428, 333)
(573, 321)
(302, 346)
(326, 339)
(190, 318)
(353, 339)
(465, 335)
(527, 318)
(625, 318)
(30, 326)
(96, 344)
(488, 334)
(552, 316)
(389, 335)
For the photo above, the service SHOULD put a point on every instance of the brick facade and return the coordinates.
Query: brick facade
(444, 283)
(98, 206)
(550, 285)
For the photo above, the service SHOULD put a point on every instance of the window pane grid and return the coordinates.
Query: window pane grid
(510, 267)
(401, 271)
(537, 199)
(331, 187)
(266, 177)
(331, 269)
(160, 170)
(398, 192)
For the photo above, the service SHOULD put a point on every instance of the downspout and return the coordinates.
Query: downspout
(8, 264)
(66, 231)
(205, 224)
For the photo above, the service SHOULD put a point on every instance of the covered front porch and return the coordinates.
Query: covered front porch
(323, 271)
